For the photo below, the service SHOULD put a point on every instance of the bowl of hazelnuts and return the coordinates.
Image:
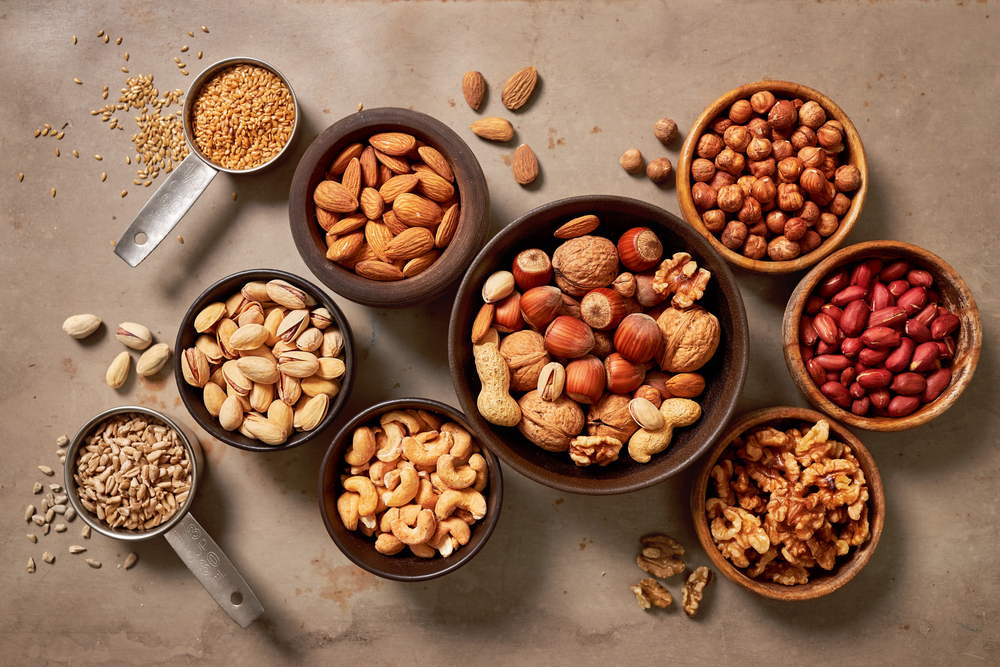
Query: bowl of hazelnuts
(774, 175)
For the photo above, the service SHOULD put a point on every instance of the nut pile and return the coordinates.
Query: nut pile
(875, 339)
(659, 557)
(619, 335)
(267, 359)
(769, 177)
(133, 472)
(394, 209)
(785, 502)
(129, 334)
(414, 480)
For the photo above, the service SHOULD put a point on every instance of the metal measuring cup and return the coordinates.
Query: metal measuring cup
(195, 547)
(185, 183)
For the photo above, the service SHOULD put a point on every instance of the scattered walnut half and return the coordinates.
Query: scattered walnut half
(694, 589)
(650, 593)
(658, 556)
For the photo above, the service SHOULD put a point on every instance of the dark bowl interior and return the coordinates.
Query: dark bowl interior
(469, 179)
(361, 549)
(724, 374)
(192, 396)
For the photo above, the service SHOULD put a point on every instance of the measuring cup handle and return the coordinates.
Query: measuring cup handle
(215, 572)
(165, 208)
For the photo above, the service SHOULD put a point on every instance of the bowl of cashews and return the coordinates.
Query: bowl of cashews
(407, 493)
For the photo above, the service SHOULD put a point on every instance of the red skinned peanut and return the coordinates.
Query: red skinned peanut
(862, 275)
(880, 397)
(927, 314)
(856, 391)
(874, 378)
(898, 288)
(881, 297)
(880, 337)
(813, 304)
(860, 407)
(937, 382)
(901, 406)
(807, 331)
(833, 283)
(913, 300)
(855, 315)
(826, 328)
(919, 278)
(849, 294)
(833, 312)
(894, 271)
(946, 347)
(838, 394)
(873, 357)
(899, 358)
(850, 347)
(925, 358)
(816, 372)
(916, 330)
(833, 362)
(908, 384)
(943, 325)
(892, 317)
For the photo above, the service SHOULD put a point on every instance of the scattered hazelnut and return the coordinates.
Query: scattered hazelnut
(802, 137)
(764, 190)
(811, 156)
(829, 134)
(720, 124)
(809, 212)
(812, 181)
(750, 212)
(782, 149)
(758, 149)
(730, 199)
(827, 224)
(631, 161)
(759, 128)
(737, 137)
(704, 196)
(795, 229)
(665, 130)
(840, 204)
(730, 161)
(790, 169)
(762, 168)
(810, 242)
(775, 222)
(659, 170)
(790, 197)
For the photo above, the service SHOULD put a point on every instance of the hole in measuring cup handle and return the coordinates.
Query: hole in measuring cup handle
(236, 598)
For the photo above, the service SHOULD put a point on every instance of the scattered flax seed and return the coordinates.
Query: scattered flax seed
(38, 133)
(113, 244)
(74, 39)
(20, 177)
(76, 154)
(125, 69)
(147, 184)
(181, 65)
(124, 193)
(118, 41)
(184, 72)
(184, 48)
(126, 56)
(57, 152)
(234, 196)
(199, 55)
(128, 160)
(76, 80)
(60, 135)
(204, 29)
(180, 239)
(53, 194)
(47, 127)
(136, 181)
(98, 157)
(106, 38)
(100, 34)
(104, 177)
(190, 33)
(176, 59)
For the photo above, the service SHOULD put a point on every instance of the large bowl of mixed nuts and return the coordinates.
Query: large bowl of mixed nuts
(774, 175)
(388, 207)
(598, 345)
(265, 360)
(788, 504)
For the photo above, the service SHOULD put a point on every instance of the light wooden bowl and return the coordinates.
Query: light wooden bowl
(854, 153)
(955, 296)
(821, 582)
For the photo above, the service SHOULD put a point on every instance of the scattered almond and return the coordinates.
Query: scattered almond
(474, 89)
(518, 88)
(525, 165)
(493, 128)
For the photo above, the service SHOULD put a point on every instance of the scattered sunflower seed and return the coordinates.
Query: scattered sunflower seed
(96, 564)
(77, 549)
(60, 528)
(70, 514)
(62, 459)
(62, 441)
(181, 64)
(204, 29)
(45, 529)
(85, 532)
(55, 488)
(45, 469)
(47, 557)
(131, 559)
(38, 519)
(32, 538)
(49, 515)
(60, 452)
(29, 512)
(38, 488)
(76, 80)
(31, 565)
(59, 509)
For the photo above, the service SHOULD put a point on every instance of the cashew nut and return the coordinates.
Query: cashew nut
(409, 514)
(432, 420)
(465, 515)
(462, 448)
(378, 470)
(468, 499)
(357, 470)
(677, 412)
(365, 530)
(391, 514)
(453, 527)
(422, 550)
(409, 421)
(391, 479)
(455, 478)
(368, 521)
(362, 447)
(388, 544)
(478, 463)
(418, 534)
(406, 490)
(392, 447)
(424, 449)
(438, 485)
(347, 507)
(426, 497)
(444, 546)
(364, 487)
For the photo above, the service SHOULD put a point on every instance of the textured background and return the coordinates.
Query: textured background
(920, 81)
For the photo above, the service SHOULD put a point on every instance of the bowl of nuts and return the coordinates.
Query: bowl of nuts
(265, 360)
(774, 175)
(407, 493)
(388, 207)
(598, 345)
(882, 335)
(788, 504)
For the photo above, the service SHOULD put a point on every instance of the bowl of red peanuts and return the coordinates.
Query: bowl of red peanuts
(882, 335)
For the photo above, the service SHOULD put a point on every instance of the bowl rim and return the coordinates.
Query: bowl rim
(728, 398)
(437, 566)
(967, 352)
(857, 157)
(826, 583)
(234, 438)
(470, 181)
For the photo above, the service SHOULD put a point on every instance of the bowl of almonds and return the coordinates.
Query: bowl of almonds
(265, 360)
(388, 207)
(598, 345)
(774, 175)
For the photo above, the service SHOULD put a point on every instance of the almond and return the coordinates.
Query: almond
(377, 270)
(352, 177)
(577, 227)
(415, 211)
(369, 168)
(435, 187)
(393, 143)
(392, 222)
(371, 203)
(446, 230)
(414, 242)
(420, 264)
(334, 197)
(436, 161)
(518, 88)
(394, 164)
(347, 225)
(363, 254)
(326, 219)
(397, 185)
(525, 165)
(346, 155)
(483, 322)
(345, 246)
(378, 237)
(493, 128)
(474, 89)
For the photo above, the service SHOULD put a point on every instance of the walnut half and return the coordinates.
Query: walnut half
(658, 556)
(694, 589)
(649, 593)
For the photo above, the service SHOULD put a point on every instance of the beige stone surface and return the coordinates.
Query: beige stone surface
(919, 79)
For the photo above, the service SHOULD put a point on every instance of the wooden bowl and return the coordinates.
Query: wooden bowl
(360, 549)
(955, 296)
(724, 374)
(854, 153)
(192, 396)
(469, 179)
(820, 582)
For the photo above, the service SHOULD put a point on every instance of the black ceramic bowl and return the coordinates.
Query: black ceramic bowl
(725, 373)
(360, 549)
(186, 335)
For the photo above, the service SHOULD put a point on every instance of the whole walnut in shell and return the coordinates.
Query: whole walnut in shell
(550, 424)
(524, 352)
(585, 263)
(690, 338)
(610, 417)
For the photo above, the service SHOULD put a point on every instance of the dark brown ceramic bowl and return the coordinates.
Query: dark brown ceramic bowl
(724, 374)
(360, 549)
(820, 582)
(955, 296)
(192, 396)
(469, 180)
(854, 153)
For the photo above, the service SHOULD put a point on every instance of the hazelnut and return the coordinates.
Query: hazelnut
(781, 249)
(702, 169)
(840, 205)
(830, 166)
(813, 181)
(624, 284)
(745, 182)
(790, 197)
(709, 146)
(603, 344)
(532, 268)
(721, 179)
(847, 178)
(762, 168)
(750, 213)
(734, 234)
(602, 308)
(782, 115)
(827, 224)
(782, 149)
(737, 137)
(740, 112)
(826, 194)
(762, 101)
(811, 156)
(802, 137)
(645, 295)
(795, 229)
(809, 212)
(767, 206)
(639, 249)
(507, 316)
(730, 198)
(758, 148)
(782, 134)
(703, 195)
(719, 125)
(659, 170)
(798, 104)
(775, 222)
(764, 190)
(758, 229)
(810, 242)
(829, 134)
(812, 115)
(568, 337)
(638, 338)
(665, 130)
(540, 305)
(622, 376)
(714, 220)
(631, 161)
(755, 247)
(790, 169)
(649, 392)
(585, 380)
(730, 161)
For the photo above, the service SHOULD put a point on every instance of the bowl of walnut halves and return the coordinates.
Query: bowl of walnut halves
(598, 345)
(788, 504)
